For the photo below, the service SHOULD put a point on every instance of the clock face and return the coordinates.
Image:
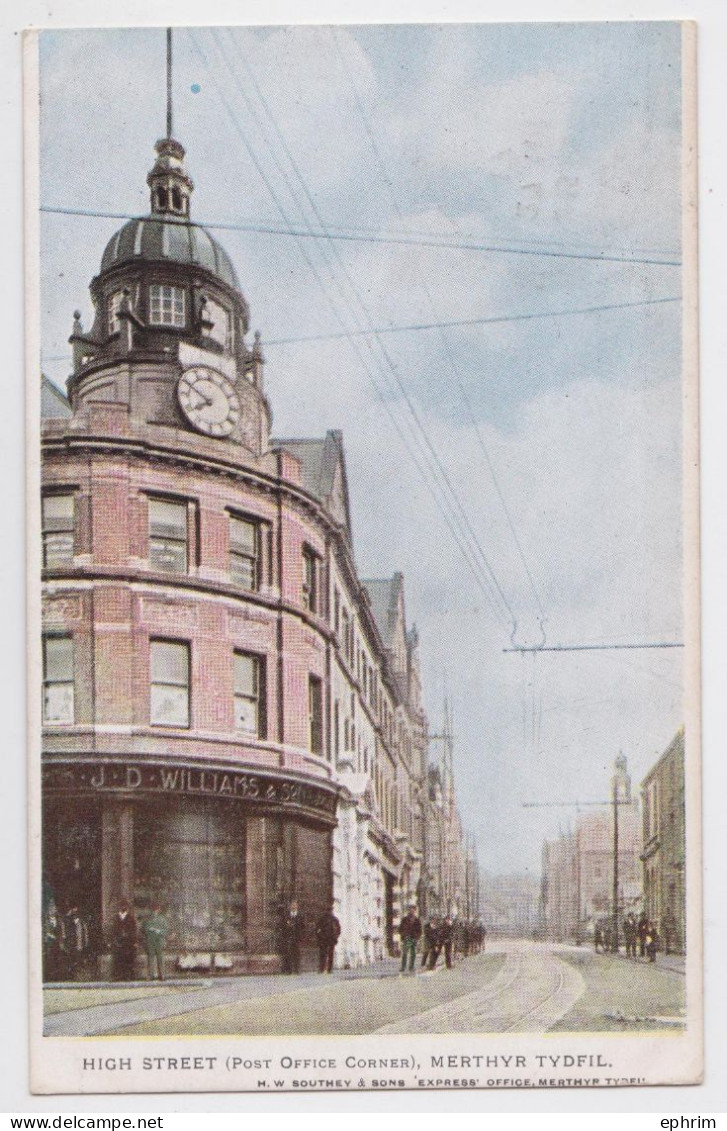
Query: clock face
(208, 400)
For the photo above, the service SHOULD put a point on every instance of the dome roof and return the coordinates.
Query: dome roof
(172, 238)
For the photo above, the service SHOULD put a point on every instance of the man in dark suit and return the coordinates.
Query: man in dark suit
(410, 930)
(328, 930)
(293, 927)
(124, 933)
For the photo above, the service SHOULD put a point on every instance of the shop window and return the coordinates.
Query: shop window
(58, 706)
(168, 535)
(249, 694)
(58, 519)
(311, 567)
(244, 552)
(166, 305)
(315, 714)
(169, 664)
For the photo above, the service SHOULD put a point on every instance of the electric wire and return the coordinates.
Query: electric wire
(460, 322)
(358, 236)
(431, 483)
(388, 182)
(433, 453)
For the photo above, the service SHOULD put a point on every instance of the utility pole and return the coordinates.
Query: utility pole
(614, 801)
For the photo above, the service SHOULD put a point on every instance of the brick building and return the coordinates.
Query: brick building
(231, 718)
(664, 845)
(578, 869)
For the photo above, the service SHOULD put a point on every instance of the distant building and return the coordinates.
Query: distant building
(663, 854)
(510, 904)
(578, 869)
(559, 902)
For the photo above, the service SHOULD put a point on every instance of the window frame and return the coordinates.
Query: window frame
(259, 696)
(67, 530)
(311, 581)
(167, 309)
(156, 683)
(316, 743)
(257, 563)
(152, 539)
(68, 683)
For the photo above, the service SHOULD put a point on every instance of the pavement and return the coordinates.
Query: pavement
(516, 986)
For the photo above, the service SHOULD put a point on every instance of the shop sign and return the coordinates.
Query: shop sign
(141, 778)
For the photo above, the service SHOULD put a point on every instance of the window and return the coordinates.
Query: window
(58, 524)
(336, 612)
(244, 552)
(315, 714)
(169, 663)
(221, 329)
(166, 305)
(58, 679)
(168, 535)
(310, 580)
(113, 323)
(249, 694)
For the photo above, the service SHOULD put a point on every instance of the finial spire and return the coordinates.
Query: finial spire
(169, 82)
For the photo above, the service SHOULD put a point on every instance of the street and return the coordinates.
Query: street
(517, 986)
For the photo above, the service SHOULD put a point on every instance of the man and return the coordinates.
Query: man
(328, 930)
(75, 941)
(155, 929)
(410, 931)
(630, 935)
(53, 950)
(642, 930)
(652, 941)
(446, 939)
(430, 932)
(123, 944)
(292, 935)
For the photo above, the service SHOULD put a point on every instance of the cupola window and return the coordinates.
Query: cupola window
(113, 323)
(166, 305)
(221, 328)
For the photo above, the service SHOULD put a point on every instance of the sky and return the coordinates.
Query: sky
(556, 441)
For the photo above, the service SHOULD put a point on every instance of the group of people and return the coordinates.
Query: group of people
(641, 938)
(292, 932)
(439, 935)
(68, 946)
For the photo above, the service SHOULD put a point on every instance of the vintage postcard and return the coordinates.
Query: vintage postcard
(363, 623)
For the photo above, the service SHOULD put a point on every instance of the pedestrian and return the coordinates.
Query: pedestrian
(292, 931)
(598, 937)
(410, 931)
(630, 934)
(328, 930)
(437, 942)
(53, 950)
(446, 940)
(124, 932)
(155, 928)
(75, 941)
(429, 940)
(641, 930)
(652, 942)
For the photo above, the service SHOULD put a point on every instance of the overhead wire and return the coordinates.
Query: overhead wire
(388, 182)
(431, 483)
(358, 236)
(433, 455)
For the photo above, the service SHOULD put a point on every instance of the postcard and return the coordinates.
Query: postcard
(363, 512)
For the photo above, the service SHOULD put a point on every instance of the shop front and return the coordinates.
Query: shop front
(220, 850)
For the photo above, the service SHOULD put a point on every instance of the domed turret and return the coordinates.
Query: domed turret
(167, 298)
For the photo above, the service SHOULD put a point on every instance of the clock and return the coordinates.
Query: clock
(208, 400)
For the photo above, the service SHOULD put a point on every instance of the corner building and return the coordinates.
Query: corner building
(231, 718)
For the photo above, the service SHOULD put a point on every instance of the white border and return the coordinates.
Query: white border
(712, 17)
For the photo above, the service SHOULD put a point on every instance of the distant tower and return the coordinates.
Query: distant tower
(621, 780)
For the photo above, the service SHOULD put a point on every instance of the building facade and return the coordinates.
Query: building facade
(231, 717)
(578, 869)
(663, 855)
